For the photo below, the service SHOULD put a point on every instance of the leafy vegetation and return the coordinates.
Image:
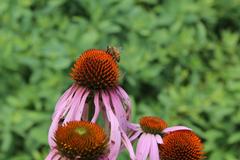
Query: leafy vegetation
(180, 61)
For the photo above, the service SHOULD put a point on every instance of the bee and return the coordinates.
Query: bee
(114, 52)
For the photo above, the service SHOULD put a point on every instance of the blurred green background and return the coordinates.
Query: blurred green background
(180, 60)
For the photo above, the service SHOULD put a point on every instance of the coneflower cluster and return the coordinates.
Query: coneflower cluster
(96, 98)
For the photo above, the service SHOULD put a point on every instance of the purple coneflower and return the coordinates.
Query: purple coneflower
(150, 131)
(96, 88)
(79, 140)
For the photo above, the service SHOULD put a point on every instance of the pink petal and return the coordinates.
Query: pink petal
(135, 135)
(115, 137)
(128, 145)
(175, 128)
(69, 104)
(53, 155)
(125, 100)
(159, 139)
(134, 127)
(143, 146)
(79, 110)
(124, 95)
(97, 107)
(119, 110)
(140, 146)
(66, 95)
(154, 153)
(75, 99)
(51, 132)
(74, 104)
(63, 100)
(53, 127)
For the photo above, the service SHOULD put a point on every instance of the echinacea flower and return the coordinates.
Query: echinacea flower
(183, 144)
(96, 88)
(150, 131)
(79, 140)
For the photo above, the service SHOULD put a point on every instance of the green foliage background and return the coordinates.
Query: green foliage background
(180, 61)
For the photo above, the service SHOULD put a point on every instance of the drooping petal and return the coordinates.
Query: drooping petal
(124, 95)
(66, 111)
(97, 107)
(115, 136)
(64, 99)
(175, 128)
(53, 155)
(52, 129)
(140, 146)
(135, 135)
(154, 153)
(79, 109)
(159, 139)
(75, 103)
(134, 127)
(125, 100)
(143, 146)
(115, 127)
(119, 110)
(127, 144)
(55, 123)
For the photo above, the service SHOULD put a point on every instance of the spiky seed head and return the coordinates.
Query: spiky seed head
(181, 145)
(96, 70)
(153, 125)
(81, 140)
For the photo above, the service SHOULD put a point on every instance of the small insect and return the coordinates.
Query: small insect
(114, 52)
